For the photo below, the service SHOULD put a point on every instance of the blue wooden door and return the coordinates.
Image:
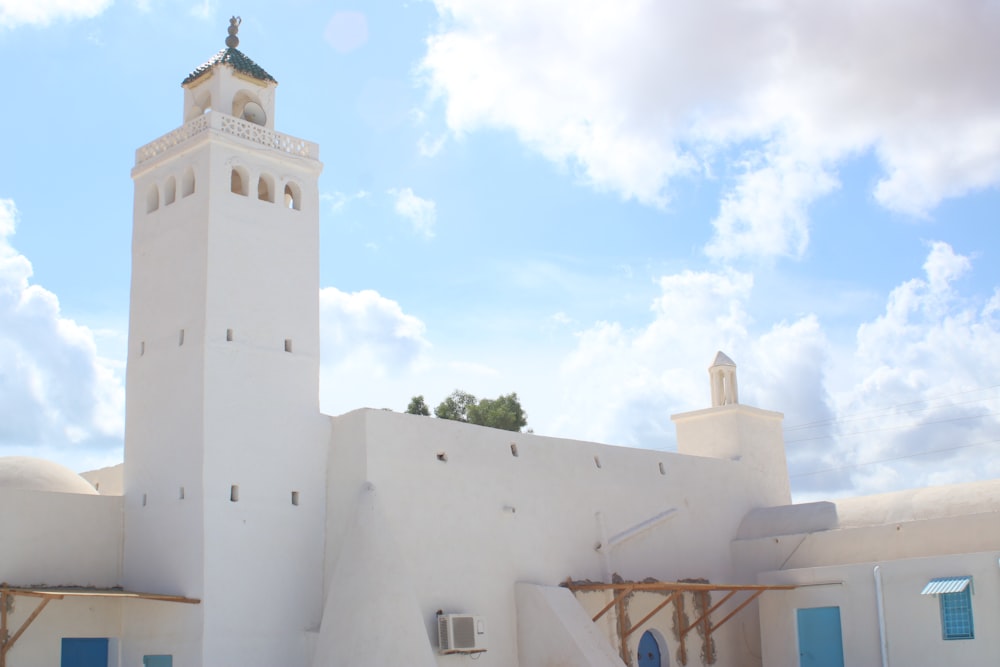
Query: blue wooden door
(84, 652)
(820, 640)
(649, 651)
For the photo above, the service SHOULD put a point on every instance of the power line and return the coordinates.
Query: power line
(896, 458)
(891, 428)
(894, 409)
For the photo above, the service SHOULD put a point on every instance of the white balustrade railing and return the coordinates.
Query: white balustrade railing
(237, 127)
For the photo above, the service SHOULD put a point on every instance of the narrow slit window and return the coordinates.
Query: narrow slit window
(239, 182)
(663, 469)
(170, 191)
(181, 494)
(265, 191)
(152, 199)
(295, 498)
(142, 348)
(144, 500)
(187, 182)
(180, 338)
(513, 449)
(229, 335)
(288, 345)
(234, 493)
(597, 461)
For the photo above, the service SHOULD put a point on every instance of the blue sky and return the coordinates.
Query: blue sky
(580, 202)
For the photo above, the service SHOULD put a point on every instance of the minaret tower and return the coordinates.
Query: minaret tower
(225, 449)
(735, 432)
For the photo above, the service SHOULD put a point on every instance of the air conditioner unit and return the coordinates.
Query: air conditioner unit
(461, 633)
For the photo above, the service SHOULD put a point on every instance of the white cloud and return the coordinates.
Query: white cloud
(622, 385)
(915, 394)
(635, 93)
(339, 200)
(422, 213)
(366, 330)
(55, 391)
(430, 146)
(40, 13)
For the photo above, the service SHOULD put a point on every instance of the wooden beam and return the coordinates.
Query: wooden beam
(60, 593)
(750, 599)
(682, 654)
(3, 625)
(611, 604)
(707, 613)
(8, 644)
(676, 586)
(670, 598)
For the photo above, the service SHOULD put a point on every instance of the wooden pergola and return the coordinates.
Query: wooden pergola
(47, 594)
(675, 591)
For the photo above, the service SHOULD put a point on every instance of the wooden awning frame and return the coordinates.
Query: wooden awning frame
(47, 594)
(676, 590)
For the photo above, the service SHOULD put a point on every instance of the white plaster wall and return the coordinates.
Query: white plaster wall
(41, 644)
(739, 433)
(60, 539)
(108, 481)
(213, 413)
(262, 428)
(467, 548)
(913, 623)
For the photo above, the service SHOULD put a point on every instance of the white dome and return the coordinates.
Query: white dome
(26, 473)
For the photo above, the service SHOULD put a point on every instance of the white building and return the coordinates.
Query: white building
(246, 528)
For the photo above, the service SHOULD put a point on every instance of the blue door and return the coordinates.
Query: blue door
(157, 661)
(649, 651)
(820, 640)
(84, 652)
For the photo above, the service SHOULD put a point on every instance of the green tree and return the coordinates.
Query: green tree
(504, 412)
(456, 406)
(417, 406)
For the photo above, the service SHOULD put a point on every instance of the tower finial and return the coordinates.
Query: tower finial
(234, 27)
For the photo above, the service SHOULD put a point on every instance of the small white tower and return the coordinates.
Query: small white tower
(225, 449)
(739, 433)
(722, 373)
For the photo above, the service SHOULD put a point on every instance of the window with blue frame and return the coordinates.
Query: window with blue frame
(955, 598)
(956, 614)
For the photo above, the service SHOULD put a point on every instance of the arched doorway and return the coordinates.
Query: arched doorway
(649, 651)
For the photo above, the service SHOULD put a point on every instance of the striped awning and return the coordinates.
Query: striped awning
(946, 585)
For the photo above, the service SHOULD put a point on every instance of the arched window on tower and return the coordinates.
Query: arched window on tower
(170, 191)
(265, 188)
(187, 182)
(239, 181)
(293, 196)
(152, 198)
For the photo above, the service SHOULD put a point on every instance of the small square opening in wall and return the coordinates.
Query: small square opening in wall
(234, 493)
(229, 335)
(288, 345)
(442, 457)
(295, 498)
